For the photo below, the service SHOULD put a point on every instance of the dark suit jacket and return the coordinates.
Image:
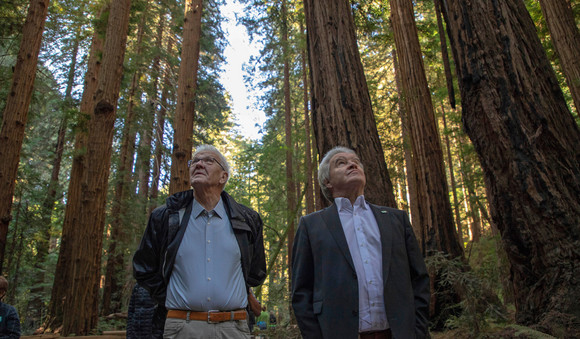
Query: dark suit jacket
(324, 280)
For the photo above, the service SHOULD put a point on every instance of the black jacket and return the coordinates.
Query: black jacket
(153, 262)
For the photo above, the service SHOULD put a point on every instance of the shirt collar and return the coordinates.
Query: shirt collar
(219, 210)
(343, 204)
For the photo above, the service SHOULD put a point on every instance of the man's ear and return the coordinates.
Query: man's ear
(224, 177)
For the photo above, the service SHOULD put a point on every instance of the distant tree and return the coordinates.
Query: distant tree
(527, 141)
(341, 106)
(15, 113)
(186, 92)
(566, 39)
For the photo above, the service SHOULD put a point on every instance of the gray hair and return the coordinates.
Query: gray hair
(324, 169)
(222, 159)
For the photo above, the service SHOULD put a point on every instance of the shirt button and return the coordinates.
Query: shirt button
(208, 241)
(208, 259)
(208, 299)
(208, 279)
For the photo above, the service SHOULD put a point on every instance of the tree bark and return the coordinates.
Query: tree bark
(15, 113)
(341, 105)
(115, 267)
(435, 217)
(566, 39)
(309, 189)
(527, 141)
(80, 312)
(186, 92)
(434, 210)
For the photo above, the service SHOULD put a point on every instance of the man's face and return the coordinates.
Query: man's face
(206, 170)
(347, 176)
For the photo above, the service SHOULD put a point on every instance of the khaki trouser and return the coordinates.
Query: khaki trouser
(195, 329)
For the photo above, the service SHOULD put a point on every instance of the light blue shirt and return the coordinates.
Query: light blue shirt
(207, 274)
(364, 243)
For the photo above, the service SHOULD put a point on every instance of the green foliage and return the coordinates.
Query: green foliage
(478, 288)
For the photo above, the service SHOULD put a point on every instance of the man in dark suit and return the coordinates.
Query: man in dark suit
(357, 270)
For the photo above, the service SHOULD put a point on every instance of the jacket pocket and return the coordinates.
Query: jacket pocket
(317, 307)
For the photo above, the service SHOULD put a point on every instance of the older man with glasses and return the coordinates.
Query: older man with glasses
(200, 254)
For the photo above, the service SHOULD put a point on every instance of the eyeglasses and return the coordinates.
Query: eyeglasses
(206, 161)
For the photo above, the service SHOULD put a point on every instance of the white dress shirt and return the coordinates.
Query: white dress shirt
(364, 243)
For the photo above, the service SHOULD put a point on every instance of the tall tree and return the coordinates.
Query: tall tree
(80, 312)
(566, 39)
(15, 112)
(115, 268)
(527, 141)
(341, 105)
(309, 185)
(186, 91)
(435, 217)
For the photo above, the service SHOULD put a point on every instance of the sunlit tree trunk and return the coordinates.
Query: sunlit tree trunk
(341, 105)
(80, 313)
(408, 152)
(566, 39)
(309, 189)
(527, 141)
(15, 113)
(435, 217)
(186, 91)
(120, 224)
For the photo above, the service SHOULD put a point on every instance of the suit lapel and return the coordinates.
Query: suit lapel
(332, 221)
(383, 217)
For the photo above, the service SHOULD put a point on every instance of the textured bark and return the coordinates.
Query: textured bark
(64, 266)
(527, 141)
(115, 268)
(434, 210)
(434, 218)
(186, 92)
(566, 39)
(309, 189)
(341, 105)
(411, 180)
(80, 313)
(15, 113)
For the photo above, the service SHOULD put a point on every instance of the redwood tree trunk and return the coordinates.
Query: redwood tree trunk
(15, 113)
(434, 217)
(527, 141)
(341, 105)
(80, 313)
(309, 188)
(186, 91)
(566, 39)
